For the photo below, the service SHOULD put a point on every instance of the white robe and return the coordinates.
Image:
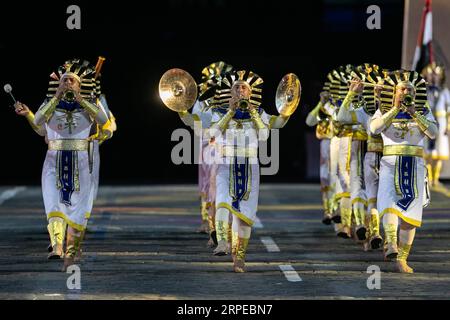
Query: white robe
(77, 213)
(389, 192)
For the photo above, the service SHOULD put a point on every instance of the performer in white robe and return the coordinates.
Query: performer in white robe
(350, 173)
(200, 120)
(437, 150)
(362, 114)
(403, 122)
(66, 181)
(238, 124)
(324, 132)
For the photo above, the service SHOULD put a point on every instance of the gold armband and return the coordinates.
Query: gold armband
(30, 119)
(90, 108)
(257, 119)
(389, 116)
(348, 99)
(48, 109)
(223, 122)
(421, 121)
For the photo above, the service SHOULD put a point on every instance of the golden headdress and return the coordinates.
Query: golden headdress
(394, 78)
(211, 77)
(80, 70)
(254, 81)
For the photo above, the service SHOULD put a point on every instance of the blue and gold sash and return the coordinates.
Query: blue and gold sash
(67, 177)
(240, 181)
(405, 180)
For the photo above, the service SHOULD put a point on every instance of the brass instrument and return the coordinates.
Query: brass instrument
(69, 96)
(408, 101)
(98, 66)
(243, 104)
(177, 90)
(288, 95)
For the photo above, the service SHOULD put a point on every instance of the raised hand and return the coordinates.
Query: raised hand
(21, 109)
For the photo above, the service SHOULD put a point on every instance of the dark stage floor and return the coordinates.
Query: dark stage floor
(141, 244)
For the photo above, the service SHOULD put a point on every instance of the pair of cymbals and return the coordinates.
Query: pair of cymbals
(178, 91)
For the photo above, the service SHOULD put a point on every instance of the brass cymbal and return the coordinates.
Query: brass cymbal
(177, 90)
(288, 95)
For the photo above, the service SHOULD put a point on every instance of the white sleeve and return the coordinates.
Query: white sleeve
(363, 117)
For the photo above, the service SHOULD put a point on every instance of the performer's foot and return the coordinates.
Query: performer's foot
(327, 219)
(375, 242)
(391, 252)
(403, 267)
(344, 232)
(50, 248)
(239, 266)
(204, 228)
(56, 253)
(221, 249)
(336, 218)
(361, 233)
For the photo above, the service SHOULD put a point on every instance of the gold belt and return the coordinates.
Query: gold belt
(403, 150)
(375, 144)
(345, 133)
(68, 145)
(359, 135)
(232, 151)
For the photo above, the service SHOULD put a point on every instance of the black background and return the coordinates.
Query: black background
(141, 40)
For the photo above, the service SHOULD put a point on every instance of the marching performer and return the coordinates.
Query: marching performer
(67, 116)
(324, 132)
(211, 77)
(239, 123)
(99, 133)
(352, 114)
(403, 120)
(437, 150)
(352, 139)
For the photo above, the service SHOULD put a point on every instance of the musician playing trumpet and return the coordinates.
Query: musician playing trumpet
(403, 120)
(348, 114)
(66, 119)
(238, 124)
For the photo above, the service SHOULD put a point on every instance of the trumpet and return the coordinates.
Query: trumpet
(243, 104)
(371, 84)
(69, 96)
(408, 101)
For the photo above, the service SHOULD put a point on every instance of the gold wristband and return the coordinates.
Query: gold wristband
(421, 121)
(348, 99)
(257, 119)
(90, 108)
(223, 123)
(48, 109)
(389, 116)
(30, 119)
